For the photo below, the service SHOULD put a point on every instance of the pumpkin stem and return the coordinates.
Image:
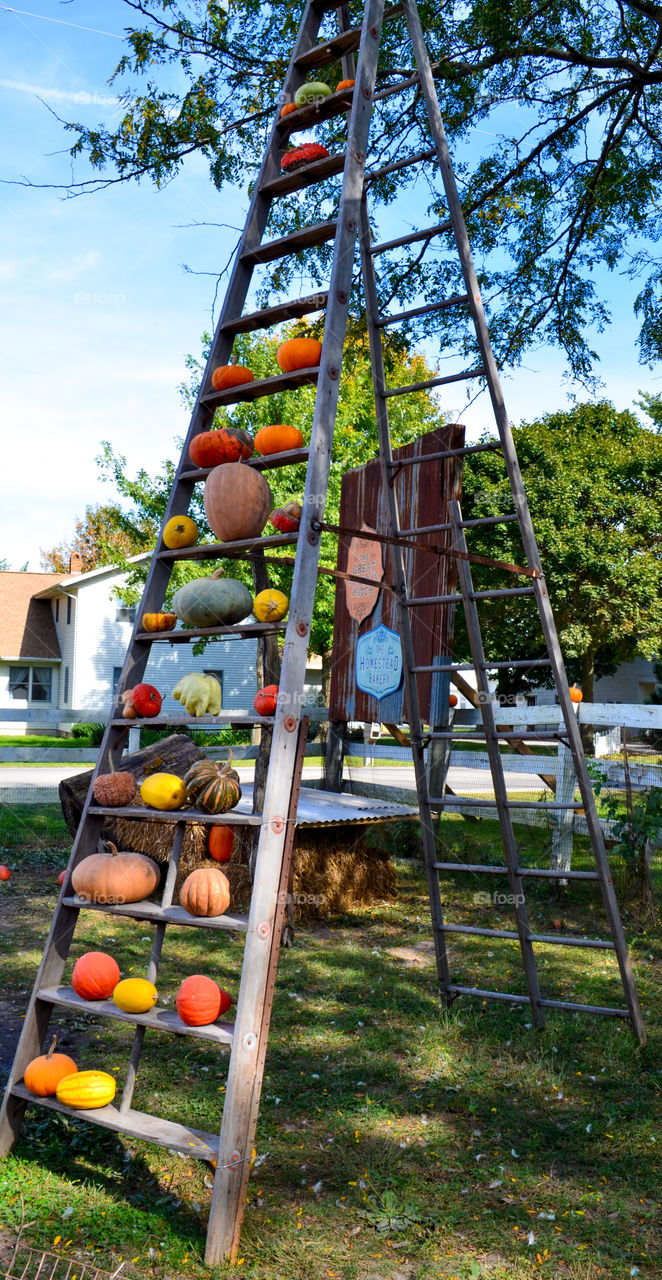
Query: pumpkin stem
(49, 1055)
(111, 848)
(218, 573)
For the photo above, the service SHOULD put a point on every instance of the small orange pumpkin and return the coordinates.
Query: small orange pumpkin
(288, 108)
(265, 700)
(205, 892)
(95, 975)
(231, 375)
(299, 353)
(159, 621)
(42, 1076)
(575, 692)
(221, 840)
(345, 84)
(452, 699)
(278, 438)
(227, 444)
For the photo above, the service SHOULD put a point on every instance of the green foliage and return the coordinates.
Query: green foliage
(104, 536)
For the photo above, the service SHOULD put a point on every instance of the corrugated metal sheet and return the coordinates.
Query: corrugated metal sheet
(323, 808)
(423, 492)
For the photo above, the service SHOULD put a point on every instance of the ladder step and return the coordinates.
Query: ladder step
(233, 818)
(269, 250)
(492, 447)
(157, 1019)
(275, 315)
(465, 524)
(226, 550)
(455, 301)
(152, 913)
(547, 1004)
(191, 1142)
(399, 87)
(480, 869)
(234, 719)
(261, 387)
(456, 598)
(466, 374)
(419, 157)
(316, 171)
(413, 238)
(322, 54)
(458, 801)
(474, 929)
(201, 633)
(289, 458)
(483, 666)
(336, 104)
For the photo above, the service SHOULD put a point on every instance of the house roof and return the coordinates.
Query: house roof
(67, 582)
(27, 629)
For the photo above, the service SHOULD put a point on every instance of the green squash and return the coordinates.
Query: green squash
(212, 602)
(312, 92)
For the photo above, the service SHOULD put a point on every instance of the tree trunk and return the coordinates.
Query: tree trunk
(332, 734)
(588, 681)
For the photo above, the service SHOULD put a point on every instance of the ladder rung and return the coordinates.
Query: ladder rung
(502, 870)
(226, 550)
(233, 818)
(596, 943)
(586, 1008)
(315, 112)
(152, 912)
(458, 801)
(464, 524)
(426, 311)
(413, 238)
(316, 171)
(191, 1142)
(546, 874)
(456, 598)
(200, 633)
(399, 87)
(234, 719)
(481, 933)
(275, 315)
(478, 372)
(419, 157)
(547, 1004)
(269, 250)
(563, 940)
(482, 666)
(493, 447)
(508, 997)
(261, 387)
(288, 458)
(479, 732)
(322, 54)
(157, 1019)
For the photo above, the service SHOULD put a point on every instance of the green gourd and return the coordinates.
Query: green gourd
(212, 602)
(313, 92)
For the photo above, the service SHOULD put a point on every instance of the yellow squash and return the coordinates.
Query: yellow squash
(135, 995)
(181, 531)
(270, 605)
(85, 1090)
(163, 791)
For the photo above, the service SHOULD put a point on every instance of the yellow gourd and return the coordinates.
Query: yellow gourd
(270, 605)
(163, 791)
(86, 1090)
(200, 694)
(135, 995)
(181, 531)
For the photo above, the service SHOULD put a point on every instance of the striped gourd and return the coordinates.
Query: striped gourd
(213, 787)
(86, 1089)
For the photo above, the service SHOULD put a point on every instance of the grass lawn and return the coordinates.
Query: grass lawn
(397, 1140)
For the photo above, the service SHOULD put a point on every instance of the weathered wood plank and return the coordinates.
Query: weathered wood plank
(152, 912)
(158, 1019)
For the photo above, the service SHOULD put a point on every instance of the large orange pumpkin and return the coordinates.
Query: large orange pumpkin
(237, 502)
(198, 1000)
(299, 353)
(231, 375)
(221, 840)
(95, 975)
(228, 444)
(42, 1076)
(205, 892)
(278, 438)
(115, 877)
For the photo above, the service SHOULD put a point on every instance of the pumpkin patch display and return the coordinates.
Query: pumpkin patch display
(85, 1090)
(266, 699)
(200, 694)
(163, 791)
(95, 975)
(212, 602)
(299, 353)
(135, 995)
(270, 605)
(237, 502)
(180, 531)
(205, 892)
(231, 375)
(116, 877)
(314, 91)
(198, 1001)
(220, 843)
(114, 789)
(288, 518)
(143, 700)
(42, 1076)
(213, 786)
(227, 444)
(159, 621)
(297, 157)
(278, 438)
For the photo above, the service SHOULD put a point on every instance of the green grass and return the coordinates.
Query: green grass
(31, 740)
(460, 1132)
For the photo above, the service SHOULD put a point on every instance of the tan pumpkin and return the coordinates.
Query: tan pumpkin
(115, 877)
(237, 501)
(114, 789)
(205, 892)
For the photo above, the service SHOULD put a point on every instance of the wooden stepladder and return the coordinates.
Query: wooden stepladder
(261, 929)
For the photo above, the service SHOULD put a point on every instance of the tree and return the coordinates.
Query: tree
(104, 536)
(563, 178)
(593, 478)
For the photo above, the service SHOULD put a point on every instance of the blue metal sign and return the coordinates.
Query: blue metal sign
(379, 661)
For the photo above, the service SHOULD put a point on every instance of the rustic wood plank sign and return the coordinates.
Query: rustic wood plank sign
(365, 560)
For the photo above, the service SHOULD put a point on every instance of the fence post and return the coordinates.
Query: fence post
(563, 821)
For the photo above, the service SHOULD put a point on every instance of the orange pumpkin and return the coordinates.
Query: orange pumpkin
(288, 108)
(198, 1000)
(299, 353)
(205, 892)
(115, 877)
(95, 975)
(237, 501)
(221, 840)
(575, 692)
(278, 438)
(265, 700)
(345, 84)
(42, 1076)
(159, 621)
(230, 375)
(228, 444)
(452, 699)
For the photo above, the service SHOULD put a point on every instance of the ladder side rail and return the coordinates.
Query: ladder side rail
(404, 622)
(243, 1059)
(523, 514)
(496, 767)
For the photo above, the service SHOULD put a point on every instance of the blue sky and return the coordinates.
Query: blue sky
(97, 311)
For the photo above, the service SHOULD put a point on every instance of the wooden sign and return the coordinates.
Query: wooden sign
(364, 558)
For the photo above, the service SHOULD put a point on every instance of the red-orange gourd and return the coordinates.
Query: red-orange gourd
(265, 700)
(159, 621)
(452, 699)
(345, 84)
(42, 1076)
(278, 439)
(575, 692)
(231, 375)
(198, 1000)
(299, 353)
(228, 444)
(95, 976)
(221, 840)
(288, 108)
(296, 157)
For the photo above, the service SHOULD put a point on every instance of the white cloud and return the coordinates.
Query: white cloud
(61, 95)
(71, 270)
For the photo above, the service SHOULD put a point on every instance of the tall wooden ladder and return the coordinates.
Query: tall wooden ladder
(276, 819)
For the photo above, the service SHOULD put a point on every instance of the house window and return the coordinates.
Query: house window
(57, 609)
(65, 695)
(125, 613)
(68, 608)
(31, 684)
(117, 671)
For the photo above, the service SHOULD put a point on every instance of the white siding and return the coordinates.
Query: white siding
(66, 633)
